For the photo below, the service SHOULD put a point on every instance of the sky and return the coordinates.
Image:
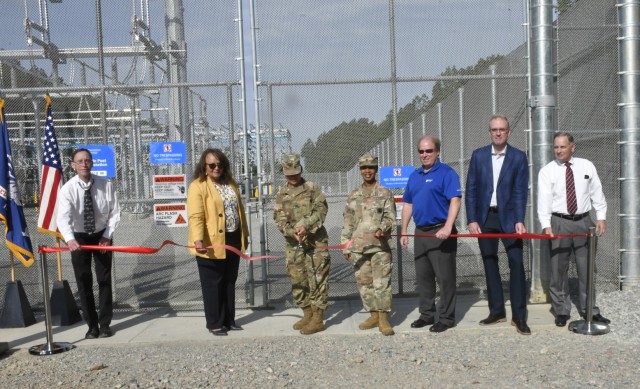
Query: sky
(302, 40)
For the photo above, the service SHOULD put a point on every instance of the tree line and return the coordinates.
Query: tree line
(339, 148)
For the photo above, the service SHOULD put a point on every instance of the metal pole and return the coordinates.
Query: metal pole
(395, 145)
(394, 80)
(399, 261)
(137, 170)
(103, 95)
(424, 123)
(50, 347)
(388, 152)
(38, 143)
(245, 146)
(629, 121)
(543, 104)
(401, 131)
(440, 127)
(463, 211)
(494, 90)
(588, 326)
(410, 140)
(272, 137)
(256, 102)
(232, 143)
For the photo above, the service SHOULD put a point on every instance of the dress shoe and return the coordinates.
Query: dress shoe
(521, 327)
(105, 332)
(219, 331)
(421, 323)
(493, 320)
(561, 320)
(439, 327)
(235, 327)
(93, 333)
(598, 317)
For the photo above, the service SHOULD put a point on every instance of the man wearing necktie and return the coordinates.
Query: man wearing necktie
(568, 188)
(496, 202)
(88, 213)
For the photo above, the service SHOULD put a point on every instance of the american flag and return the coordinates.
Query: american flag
(51, 178)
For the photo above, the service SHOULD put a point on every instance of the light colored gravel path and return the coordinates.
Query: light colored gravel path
(551, 357)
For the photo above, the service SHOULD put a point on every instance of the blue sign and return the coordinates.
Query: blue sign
(167, 153)
(104, 160)
(395, 176)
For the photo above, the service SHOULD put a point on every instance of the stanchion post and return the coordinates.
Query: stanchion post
(588, 326)
(399, 261)
(50, 347)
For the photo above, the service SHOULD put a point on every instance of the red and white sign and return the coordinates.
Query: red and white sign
(170, 186)
(399, 203)
(170, 215)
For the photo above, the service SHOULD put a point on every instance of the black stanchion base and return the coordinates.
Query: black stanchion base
(64, 311)
(16, 311)
(4, 346)
(50, 348)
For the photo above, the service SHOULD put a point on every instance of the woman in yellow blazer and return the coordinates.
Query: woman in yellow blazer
(216, 217)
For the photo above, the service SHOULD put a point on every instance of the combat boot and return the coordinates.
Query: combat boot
(315, 325)
(371, 322)
(384, 325)
(305, 319)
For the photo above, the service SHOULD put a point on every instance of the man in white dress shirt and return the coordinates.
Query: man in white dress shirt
(568, 188)
(88, 213)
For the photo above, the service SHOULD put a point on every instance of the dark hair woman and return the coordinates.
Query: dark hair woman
(216, 218)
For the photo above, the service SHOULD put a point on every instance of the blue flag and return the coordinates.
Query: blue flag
(11, 212)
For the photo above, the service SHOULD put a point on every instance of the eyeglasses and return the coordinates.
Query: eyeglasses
(497, 130)
(83, 162)
(213, 166)
(427, 151)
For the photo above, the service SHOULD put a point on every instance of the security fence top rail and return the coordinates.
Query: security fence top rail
(397, 79)
(73, 53)
(124, 89)
(128, 89)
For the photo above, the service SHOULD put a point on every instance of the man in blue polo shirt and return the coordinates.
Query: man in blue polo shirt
(432, 198)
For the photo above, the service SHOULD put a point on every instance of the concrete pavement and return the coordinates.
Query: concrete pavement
(342, 318)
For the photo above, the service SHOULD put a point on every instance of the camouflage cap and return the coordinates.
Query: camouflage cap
(368, 160)
(291, 164)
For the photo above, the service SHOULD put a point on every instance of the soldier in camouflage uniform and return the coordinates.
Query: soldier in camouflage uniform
(299, 213)
(369, 215)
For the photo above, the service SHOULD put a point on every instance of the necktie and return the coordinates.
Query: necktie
(572, 203)
(89, 220)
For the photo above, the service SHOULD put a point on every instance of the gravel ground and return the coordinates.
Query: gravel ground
(551, 357)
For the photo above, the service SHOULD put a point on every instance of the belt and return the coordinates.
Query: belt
(431, 227)
(493, 209)
(571, 217)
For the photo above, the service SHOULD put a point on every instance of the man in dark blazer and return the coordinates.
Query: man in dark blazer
(496, 200)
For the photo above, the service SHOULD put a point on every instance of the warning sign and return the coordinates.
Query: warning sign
(170, 215)
(399, 203)
(169, 187)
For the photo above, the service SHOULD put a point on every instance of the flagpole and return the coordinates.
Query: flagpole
(59, 254)
(13, 268)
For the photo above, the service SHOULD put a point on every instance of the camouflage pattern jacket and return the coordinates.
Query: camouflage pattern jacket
(369, 209)
(302, 205)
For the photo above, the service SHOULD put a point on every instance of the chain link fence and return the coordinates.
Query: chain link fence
(328, 84)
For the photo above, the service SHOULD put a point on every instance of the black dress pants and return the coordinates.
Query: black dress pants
(218, 282)
(81, 261)
(435, 261)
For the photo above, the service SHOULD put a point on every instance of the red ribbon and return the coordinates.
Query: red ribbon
(526, 235)
(152, 250)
